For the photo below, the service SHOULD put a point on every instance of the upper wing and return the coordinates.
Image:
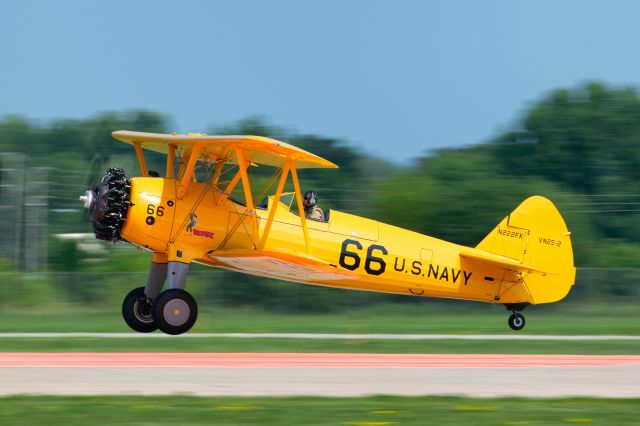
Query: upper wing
(256, 149)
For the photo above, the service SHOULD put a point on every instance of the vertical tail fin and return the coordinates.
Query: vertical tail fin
(535, 235)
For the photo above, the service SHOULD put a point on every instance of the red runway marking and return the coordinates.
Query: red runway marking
(305, 360)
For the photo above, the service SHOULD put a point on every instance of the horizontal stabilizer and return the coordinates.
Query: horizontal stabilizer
(502, 262)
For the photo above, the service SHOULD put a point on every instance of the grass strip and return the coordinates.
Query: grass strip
(223, 344)
(370, 411)
(575, 319)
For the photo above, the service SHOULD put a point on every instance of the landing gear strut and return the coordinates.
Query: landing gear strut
(174, 311)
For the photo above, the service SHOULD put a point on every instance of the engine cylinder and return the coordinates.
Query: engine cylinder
(109, 205)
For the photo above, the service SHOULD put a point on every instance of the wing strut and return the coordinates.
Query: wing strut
(141, 162)
(245, 179)
(171, 161)
(303, 219)
(217, 172)
(276, 201)
(183, 184)
(230, 186)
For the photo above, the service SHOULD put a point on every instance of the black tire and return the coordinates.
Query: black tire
(175, 311)
(516, 321)
(138, 316)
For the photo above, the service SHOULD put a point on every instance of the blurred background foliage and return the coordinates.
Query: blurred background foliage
(580, 147)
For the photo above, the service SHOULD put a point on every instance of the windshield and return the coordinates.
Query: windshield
(286, 198)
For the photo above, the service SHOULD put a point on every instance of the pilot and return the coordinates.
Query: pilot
(311, 210)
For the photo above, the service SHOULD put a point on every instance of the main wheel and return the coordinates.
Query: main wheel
(175, 311)
(516, 321)
(137, 311)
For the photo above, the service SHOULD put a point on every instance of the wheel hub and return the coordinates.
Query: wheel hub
(176, 312)
(142, 311)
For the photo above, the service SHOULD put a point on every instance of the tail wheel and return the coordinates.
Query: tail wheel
(175, 311)
(137, 311)
(516, 321)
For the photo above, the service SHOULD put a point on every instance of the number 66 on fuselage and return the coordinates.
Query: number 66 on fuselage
(526, 259)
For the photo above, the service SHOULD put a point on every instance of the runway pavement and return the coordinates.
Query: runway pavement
(319, 374)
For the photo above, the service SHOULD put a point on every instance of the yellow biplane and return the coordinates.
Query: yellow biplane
(184, 217)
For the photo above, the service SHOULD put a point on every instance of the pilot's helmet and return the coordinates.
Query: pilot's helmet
(310, 199)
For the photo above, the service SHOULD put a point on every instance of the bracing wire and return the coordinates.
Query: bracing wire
(240, 220)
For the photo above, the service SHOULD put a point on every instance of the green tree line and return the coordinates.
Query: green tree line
(579, 146)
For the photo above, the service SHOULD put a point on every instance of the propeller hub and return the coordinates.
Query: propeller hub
(87, 199)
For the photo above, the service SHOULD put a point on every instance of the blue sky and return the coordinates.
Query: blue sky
(396, 78)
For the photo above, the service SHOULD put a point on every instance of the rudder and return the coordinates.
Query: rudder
(535, 235)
